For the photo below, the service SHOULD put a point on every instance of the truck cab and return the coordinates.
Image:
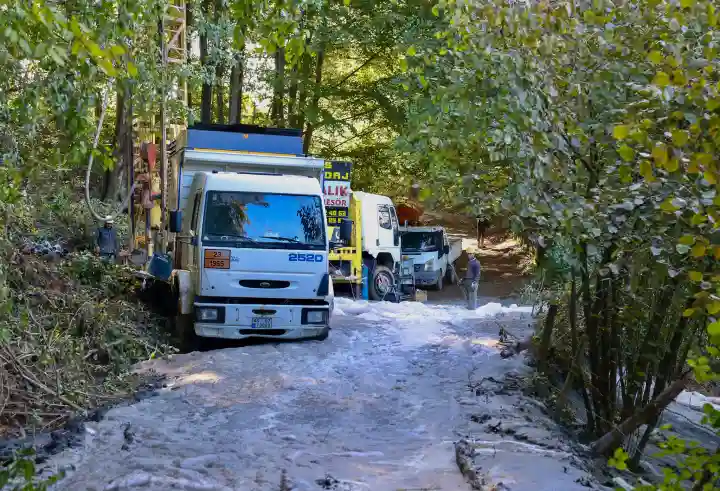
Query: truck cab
(433, 254)
(251, 247)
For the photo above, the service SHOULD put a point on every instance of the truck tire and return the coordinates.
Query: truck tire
(439, 282)
(322, 336)
(381, 284)
(184, 327)
(449, 276)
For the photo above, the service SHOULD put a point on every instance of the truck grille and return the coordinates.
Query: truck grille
(264, 284)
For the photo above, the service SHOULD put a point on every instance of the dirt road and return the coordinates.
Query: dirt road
(377, 406)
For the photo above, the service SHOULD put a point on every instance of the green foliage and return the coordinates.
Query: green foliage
(20, 474)
(596, 124)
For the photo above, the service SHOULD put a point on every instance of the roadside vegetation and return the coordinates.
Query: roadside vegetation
(592, 126)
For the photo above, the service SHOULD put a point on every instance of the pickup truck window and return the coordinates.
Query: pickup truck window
(263, 221)
(422, 242)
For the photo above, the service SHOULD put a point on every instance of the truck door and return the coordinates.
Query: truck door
(396, 227)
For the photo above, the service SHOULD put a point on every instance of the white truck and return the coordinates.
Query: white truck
(433, 253)
(250, 244)
(375, 244)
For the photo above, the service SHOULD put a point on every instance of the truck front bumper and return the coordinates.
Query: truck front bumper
(425, 277)
(240, 321)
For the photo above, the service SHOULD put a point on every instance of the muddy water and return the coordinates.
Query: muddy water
(376, 407)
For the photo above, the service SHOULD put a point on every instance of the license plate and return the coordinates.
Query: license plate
(262, 322)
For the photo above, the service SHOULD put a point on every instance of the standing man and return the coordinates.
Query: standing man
(106, 243)
(482, 225)
(471, 280)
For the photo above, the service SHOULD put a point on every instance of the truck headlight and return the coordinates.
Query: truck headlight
(428, 266)
(207, 314)
(315, 316)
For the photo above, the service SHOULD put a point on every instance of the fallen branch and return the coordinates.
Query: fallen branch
(22, 371)
(613, 438)
(464, 452)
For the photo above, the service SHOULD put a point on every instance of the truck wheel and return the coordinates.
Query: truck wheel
(184, 327)
(323, 336)
(439, 281)
(449, 276)
(381, 284)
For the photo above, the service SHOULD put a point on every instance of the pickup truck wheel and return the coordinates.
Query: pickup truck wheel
(449, 276)
(381, 284)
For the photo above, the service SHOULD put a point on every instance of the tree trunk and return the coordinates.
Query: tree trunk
(277, 114)
(642, 364)
(236, 91)
(546, 338)
(303, 93)
(123, 142)
(220, 93)
(292, 98)
(315, 100)
(579, 344)
(667, 371)
(188, 47)
(612, 439)
(206, 94)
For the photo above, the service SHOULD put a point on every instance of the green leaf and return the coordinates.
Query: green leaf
(620, 132)
(714, 328)
(698, 250)
(660, 154)
(132, 69)
(627, 153)
(411, 51)
(656, 57)
(688, 312)
(713, 307)
(117, 50)
(680, 137)
(661, 79)
(687, 240)
(646, 170)
(436, 11)
(107, 67)
(95, 50)
(695, 276)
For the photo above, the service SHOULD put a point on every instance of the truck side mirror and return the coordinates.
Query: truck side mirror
(446, 249)
(346, 231)
(176, 221)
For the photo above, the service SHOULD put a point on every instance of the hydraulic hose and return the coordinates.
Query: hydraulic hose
(126, 200)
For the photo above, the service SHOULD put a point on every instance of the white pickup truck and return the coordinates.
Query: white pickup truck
(433, 253)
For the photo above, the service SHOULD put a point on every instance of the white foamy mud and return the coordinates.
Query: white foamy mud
(378, 406)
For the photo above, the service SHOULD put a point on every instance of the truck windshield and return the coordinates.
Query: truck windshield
(263, 221)
(422, 241)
